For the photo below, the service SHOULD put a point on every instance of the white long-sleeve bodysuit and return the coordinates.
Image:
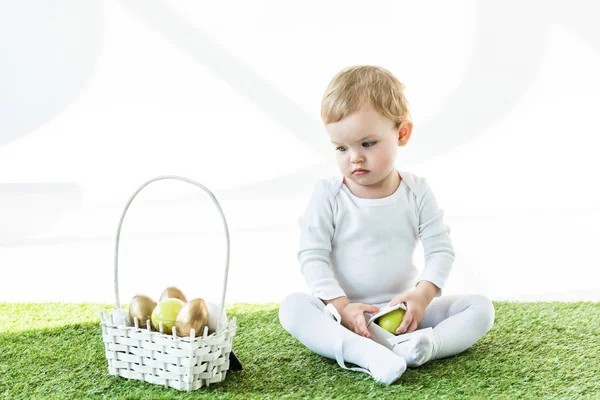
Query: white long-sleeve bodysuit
(363, 248)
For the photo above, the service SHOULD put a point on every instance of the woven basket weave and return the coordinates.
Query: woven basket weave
(183, 363)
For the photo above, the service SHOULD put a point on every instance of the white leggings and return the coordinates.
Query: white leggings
(457, 320)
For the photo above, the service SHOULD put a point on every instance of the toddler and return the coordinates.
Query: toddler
(358, 236)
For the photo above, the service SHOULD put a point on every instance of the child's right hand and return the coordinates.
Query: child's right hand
(353, 317)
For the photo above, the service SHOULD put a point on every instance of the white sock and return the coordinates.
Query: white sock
(420, 347)
(385, 366)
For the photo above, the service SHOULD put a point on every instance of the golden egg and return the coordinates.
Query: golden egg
(173, 293)
(141, 307)
(194, 314)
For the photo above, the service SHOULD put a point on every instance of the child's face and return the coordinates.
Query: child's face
(366, 144)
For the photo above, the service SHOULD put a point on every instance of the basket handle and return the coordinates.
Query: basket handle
(159, 178)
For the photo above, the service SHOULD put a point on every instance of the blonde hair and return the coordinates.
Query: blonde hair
(357, 86)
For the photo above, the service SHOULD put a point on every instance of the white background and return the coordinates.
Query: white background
(98, 97)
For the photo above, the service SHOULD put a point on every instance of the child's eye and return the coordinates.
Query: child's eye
(369, 144)
(341, 148)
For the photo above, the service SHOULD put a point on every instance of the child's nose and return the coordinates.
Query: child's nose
(356, 157)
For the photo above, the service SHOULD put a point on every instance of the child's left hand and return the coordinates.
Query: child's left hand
(416, 304)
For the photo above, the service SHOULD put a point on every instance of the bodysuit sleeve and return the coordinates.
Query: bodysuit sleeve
(316, 234)
(435, 238)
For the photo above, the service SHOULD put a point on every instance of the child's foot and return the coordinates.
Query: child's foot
(416, 347)
(385, 366)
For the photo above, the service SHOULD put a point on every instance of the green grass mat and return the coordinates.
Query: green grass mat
(535, 350)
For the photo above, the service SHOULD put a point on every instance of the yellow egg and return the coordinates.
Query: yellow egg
(141, 307)
(165, 314)
(193, 315)
(172, 293)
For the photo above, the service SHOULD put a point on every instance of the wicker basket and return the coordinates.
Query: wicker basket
(183, 363)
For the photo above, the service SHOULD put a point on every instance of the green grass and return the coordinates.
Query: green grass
(535, 350)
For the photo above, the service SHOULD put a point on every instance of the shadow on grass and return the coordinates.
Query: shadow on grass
(529, 353)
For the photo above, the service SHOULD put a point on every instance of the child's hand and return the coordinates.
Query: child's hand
(353, 317)
(416, 304)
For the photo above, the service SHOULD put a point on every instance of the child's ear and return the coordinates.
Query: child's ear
(404, 132)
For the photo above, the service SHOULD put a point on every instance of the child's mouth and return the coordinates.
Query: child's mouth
(360, 172)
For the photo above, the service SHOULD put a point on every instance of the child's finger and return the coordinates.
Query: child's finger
(413, 326)
(370, 308)
(396, 300)
(406, 321)
(362, 327)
